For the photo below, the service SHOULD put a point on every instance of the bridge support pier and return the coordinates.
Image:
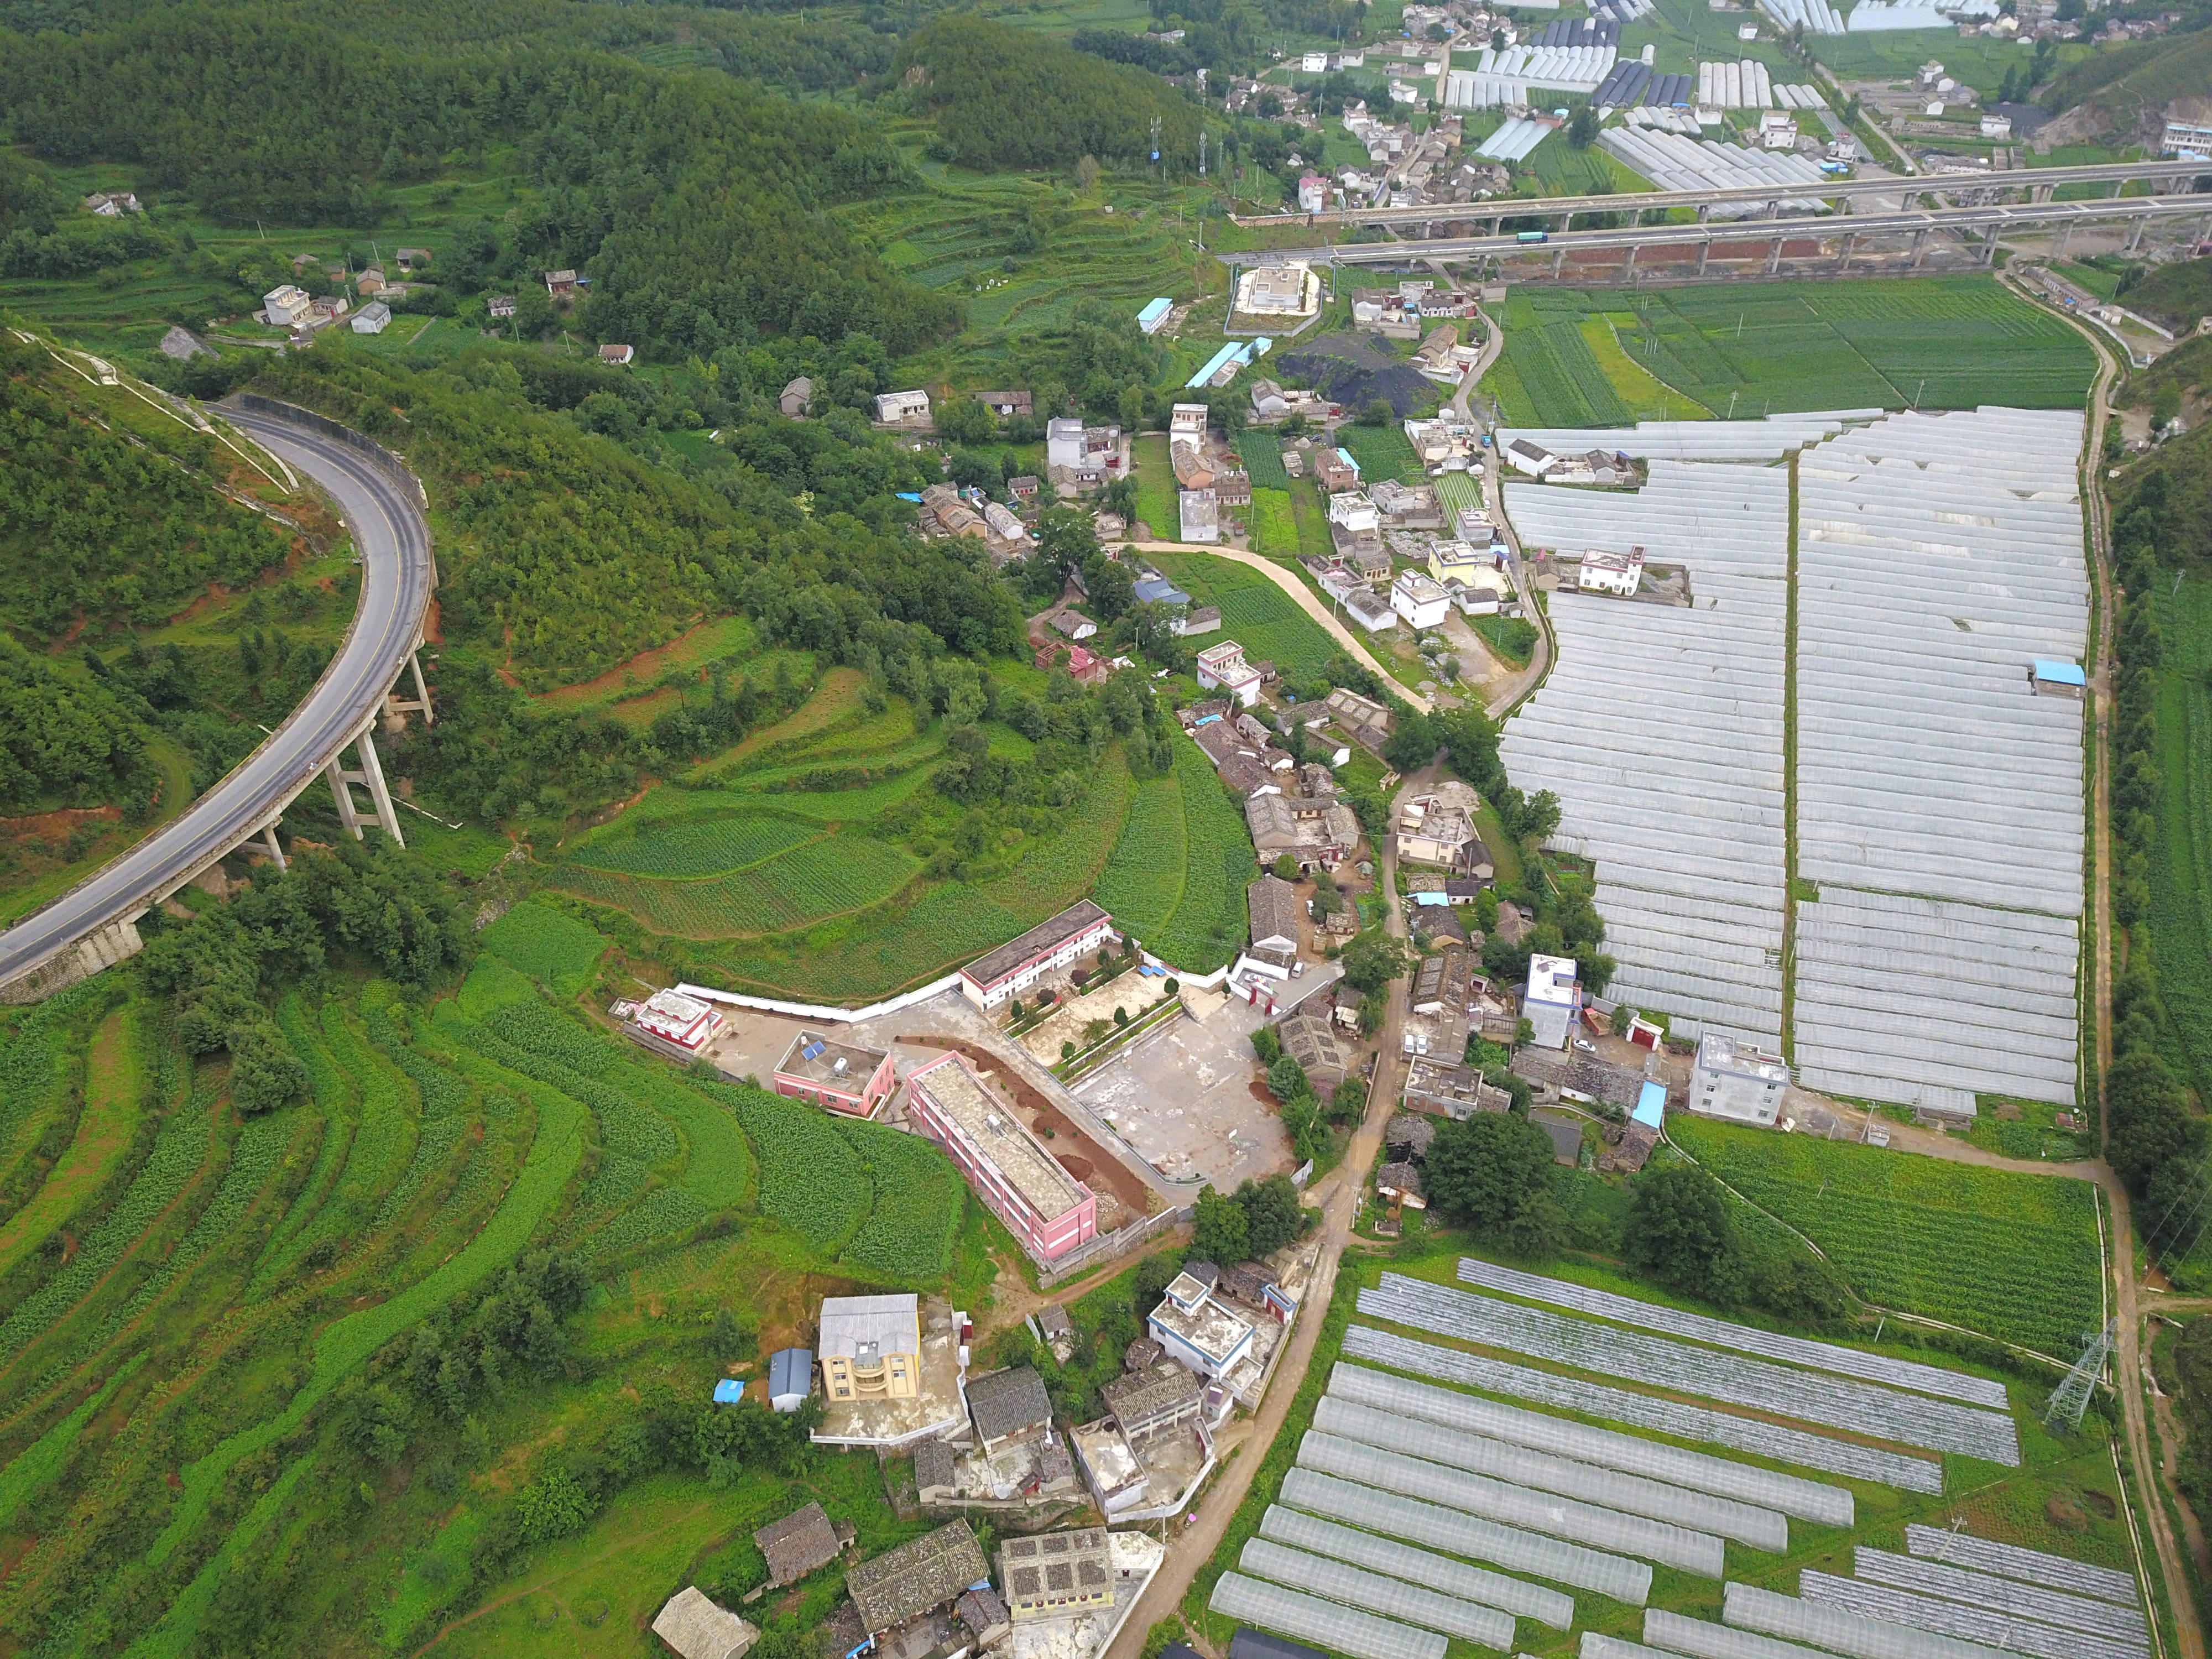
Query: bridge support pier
(1628, 265)
(268, 839)
(372, 776)
(1497, 224)
(2065, 235)
(395, 704)
(1704, 252)
(1559, 260)
(1774, 256)
(1850, 242)
(2135, 236)
(1705, 210)
(2040, 193)
(1990, 250)
(1919, 248)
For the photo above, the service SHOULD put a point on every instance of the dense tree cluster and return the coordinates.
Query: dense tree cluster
(1682, 1231)
(2156, 1144)
(1005, 97)
(377, 904)
(1492, 1172)
(1256, 1220)
(66, 745)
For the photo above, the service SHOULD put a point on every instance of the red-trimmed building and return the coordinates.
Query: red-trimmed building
(1043, 1206)
(835, 1075)
(1014, 967)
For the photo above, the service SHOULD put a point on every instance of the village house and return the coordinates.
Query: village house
(1322, 838)
(1056, 1575)
(1082, 457)
(1437, 829)
(372, 318)
(1308, 1036)
(870, 1347)
(500, 305)
(1014, 967)
(1735, 1077)
(1005, 405)
(918, 1578)
(618, 357)
(1200, 515)
(695, 1627)
(1007, 1406)
(797, 396)
(673, 1024)
(898, 408)
(113, 205)
(1551, 1000)
(287, 305)
(1202, 1334)
(1420, 600)
(838, 1076)
(1223, 667)
(1619, 574)
(1274, 910)
(559, 284)
(1083, 666)
(1406, 506)
(802, 1542)
(1335, 470)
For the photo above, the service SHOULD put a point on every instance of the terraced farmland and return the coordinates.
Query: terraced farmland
(1177, 876)
(807, 884)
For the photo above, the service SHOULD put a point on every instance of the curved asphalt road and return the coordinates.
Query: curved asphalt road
(394, 542)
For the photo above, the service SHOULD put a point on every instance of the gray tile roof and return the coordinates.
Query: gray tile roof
(916, 1576)
(1008, 1401)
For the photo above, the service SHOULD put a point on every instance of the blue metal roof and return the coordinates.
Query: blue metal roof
(1154, 308)
(1345, 455)
(1651, 1105)
(729, 1391)
(2060, 673)
(1432, 898)
(790, 1370)
(1157, 590)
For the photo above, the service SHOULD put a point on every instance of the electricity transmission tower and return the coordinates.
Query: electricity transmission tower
(2071, 1398)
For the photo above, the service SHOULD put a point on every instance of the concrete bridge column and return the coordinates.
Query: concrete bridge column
(1497, 224)
(395, 704)
(1705, 210)
(2039, 193)
(1919, 246)
(2065, 235)
(1704, 252)
(2136, 236)
(1566, 222)
(268, 839)
(371, 776)
(1774, 256)
(1850, 241)
(1559, 260)
(1628, 265)
(1989, 248)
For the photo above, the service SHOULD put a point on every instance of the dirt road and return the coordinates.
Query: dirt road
(1338, 1192)
(1307, 602)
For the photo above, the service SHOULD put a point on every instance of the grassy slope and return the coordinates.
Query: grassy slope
(2181, 880)
(115, 1079)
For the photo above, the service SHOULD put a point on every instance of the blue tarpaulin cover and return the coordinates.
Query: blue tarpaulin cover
(729, 1391)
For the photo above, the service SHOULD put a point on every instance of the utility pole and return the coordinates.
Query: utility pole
(1201, 153)
(1156, 147)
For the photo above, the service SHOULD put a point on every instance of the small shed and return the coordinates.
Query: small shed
(1402, 1183)
(2058, 679)
(729, 1391)
(985, 1615)
(790, 1378)
(1141, 1354)
(795, 397)
(697, 1628)
(1054, 1322)
(933, 1474)
(619, 355)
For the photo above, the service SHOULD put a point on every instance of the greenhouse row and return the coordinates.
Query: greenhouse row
(1437, 1573)
(1442, 1527)
(1726, 1334)
(1938, 556)
(1514, 1506)
(2123, 1624)
(1687, 835)
(1838, 1630)
(2029, 1566)
(1340, 1629)
(1764, 1489)
(1519, 1466)
(1392, 1598)
(1836, 1402)
(1988, 1625)
(1643, 1411)
(1767, 439)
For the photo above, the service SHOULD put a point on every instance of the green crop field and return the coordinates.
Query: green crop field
(712, 848)
(807, 884)
(1382, 452)
(2181, 885)
(1274, 524)
(555, 950)
(1156, 488)
(1177, 876)
(1255, 612)
(1262, 452)
(1928, 343)
(2012, 1256)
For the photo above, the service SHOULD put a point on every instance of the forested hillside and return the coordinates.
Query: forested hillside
(1003, 97)
(691, 199)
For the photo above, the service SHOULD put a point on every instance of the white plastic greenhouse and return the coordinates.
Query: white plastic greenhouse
(1643, 1411)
